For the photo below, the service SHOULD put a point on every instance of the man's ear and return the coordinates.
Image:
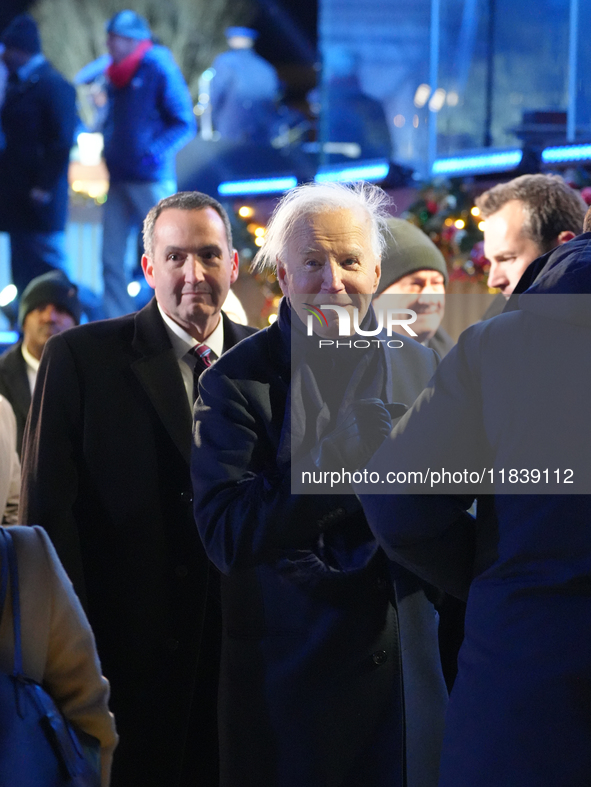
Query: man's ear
(148, 269)
(565, 236)
(378, 273)
(235, 266)
(281, 274)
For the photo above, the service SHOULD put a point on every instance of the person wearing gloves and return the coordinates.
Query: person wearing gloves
(330, 673)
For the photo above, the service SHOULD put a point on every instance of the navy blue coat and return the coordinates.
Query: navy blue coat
(317, 639)
(148, 121)
(39, 119)
(516, 387)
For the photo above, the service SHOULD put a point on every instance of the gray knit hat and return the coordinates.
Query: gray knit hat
(408, 250)
(53, 287)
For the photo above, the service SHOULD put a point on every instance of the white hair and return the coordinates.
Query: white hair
(313, 198)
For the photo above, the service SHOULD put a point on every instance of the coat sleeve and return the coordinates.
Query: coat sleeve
(244, 508)
(10, 468)
(72, 671)
(432, 534)
(59, 125)
(176, 110)
(51, 449)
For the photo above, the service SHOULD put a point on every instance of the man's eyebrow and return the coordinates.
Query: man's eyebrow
(194, 249)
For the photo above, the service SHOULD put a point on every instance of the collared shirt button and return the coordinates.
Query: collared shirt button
(172, 645)
(340, 512)
(382, 583)
(181, 571)
(379, 657)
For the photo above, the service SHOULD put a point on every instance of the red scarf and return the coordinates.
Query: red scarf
(121, 73)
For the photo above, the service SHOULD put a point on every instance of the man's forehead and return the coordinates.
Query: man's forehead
(341, 226)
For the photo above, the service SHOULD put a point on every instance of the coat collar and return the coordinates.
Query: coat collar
(158, 372)
(15, 376)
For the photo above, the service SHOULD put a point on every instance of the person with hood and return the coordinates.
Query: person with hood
(509, 402)
(149, 119)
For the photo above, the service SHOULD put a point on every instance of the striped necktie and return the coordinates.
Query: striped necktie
(204, 357)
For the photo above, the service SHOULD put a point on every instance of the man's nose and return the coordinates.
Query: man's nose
(193, 269)
(496, 277)
(332, 278)
(49, 313)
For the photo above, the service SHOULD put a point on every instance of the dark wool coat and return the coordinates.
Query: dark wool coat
(516, 387)
(14, 385)
(106, 473)
(317, 639)
(38, 119)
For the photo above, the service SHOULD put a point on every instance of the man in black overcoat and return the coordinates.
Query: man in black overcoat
(106, 472)
(38, 119)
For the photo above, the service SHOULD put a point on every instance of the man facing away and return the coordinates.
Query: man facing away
(49, 305)
(106, 472)
(523, 219)
(149, 118)
(38, 119)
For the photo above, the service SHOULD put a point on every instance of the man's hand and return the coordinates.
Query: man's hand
(352, 443)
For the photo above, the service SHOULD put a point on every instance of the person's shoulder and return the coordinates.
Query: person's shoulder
(49, 74)
(246, 357)
(100, 332)
(12, 356)
(160, 58)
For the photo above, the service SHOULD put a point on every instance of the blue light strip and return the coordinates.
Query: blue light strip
(259, 186)
(566, 153)
(483, 162)
(377, 171)
(8, 337)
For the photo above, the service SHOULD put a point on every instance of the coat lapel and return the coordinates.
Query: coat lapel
(158, 371)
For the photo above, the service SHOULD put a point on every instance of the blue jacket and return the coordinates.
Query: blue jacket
(148, 121)
(519, 714)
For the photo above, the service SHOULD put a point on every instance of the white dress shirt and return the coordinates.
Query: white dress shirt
(182, 343)
(32, 366)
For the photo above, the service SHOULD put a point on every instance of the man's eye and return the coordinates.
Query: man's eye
(311, 263)
(173, 257)
(351, 261)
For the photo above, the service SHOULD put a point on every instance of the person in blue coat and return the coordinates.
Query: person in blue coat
(243, 91)
(149, 119)
(509, 403)
(38, 119)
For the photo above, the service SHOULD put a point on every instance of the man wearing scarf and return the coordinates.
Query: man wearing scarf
(330, 672)
(150, 117)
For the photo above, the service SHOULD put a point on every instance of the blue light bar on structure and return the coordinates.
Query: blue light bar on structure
(479, 163)
(566, 153)
(259, 186)
(8, 337)
(376, 170)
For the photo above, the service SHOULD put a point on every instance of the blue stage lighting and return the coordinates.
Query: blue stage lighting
(478, 163)
(566, 153)
(260, 186)
(373, 171)
(8, 337)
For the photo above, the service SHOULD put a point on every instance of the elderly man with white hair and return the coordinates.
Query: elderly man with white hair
(330, 673)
